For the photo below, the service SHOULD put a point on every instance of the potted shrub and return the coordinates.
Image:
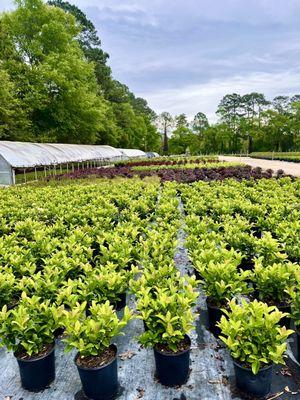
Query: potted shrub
(222, 282)
(215, 254)
(8, 289)
(153, 275)
(272, 281)
(169, 318)
(295, 314)
(252, 333)
(270, 249)
(28, 331)
(96, 359)
(243, 242)
(106, 283)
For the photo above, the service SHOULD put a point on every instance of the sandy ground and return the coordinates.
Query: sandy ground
(289, 168)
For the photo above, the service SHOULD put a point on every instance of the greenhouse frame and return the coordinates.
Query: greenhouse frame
(22, 161)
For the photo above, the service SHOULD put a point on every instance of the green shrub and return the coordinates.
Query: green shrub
(93, 334)
(223, 281)
(295, 305)
(167, 312)
(272, 281)
(252, 334)
(269, 249)
(106, 283)
(153, 276)
(30, 326)
(7, 288)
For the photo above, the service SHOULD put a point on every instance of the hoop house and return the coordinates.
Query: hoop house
(133, 153)
(18, 158)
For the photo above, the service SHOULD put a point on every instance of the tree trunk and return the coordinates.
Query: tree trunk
(250, 144)
(166, 142)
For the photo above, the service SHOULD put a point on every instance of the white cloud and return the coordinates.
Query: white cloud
(206, 97)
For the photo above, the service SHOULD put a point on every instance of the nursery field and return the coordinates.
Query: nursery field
(196, 283)
(288, 156)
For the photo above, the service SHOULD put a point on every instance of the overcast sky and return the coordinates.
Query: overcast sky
(184, 55)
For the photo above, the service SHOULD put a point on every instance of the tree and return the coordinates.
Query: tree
(199, 123)
(276, 130)
(56, 85)
(116, 93)
(90, 43)
(231, 111)
(165, 123)
(181, 121)
(253, 104)
(281, 104)
(14, 124)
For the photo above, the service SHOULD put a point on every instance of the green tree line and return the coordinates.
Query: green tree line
(245, 124)
(56, 85)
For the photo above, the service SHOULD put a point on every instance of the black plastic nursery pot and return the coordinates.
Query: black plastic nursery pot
(172, 369)
(214, 315)
(100, 383)
(37, 373)
(298, 345)
(145, 326)
(285, 321)
(197, 274)
(121, 303)
(257, 385)
(247, 264)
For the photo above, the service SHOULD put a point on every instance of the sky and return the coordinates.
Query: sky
(183, 56)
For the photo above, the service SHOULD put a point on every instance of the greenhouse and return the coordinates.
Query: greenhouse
(133, 153)
(21, 162)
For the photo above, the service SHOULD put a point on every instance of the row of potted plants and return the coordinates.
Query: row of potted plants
(208, 172)
(236, 260)
(82, 301)
(90, 266)
(246, 209)
(165, 300)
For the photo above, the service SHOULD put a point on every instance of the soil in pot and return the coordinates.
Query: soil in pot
(173, 368)
(99, 374)
(214, 315)
(258, 385)
(39, 371)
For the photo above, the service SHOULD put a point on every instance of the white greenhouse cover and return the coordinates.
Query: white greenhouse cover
(26, 155)
(133, 153)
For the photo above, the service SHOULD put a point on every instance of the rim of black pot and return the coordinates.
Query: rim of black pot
(175, 354)
(249, 369)
(102, 366)
(212, 305)
(36, 358)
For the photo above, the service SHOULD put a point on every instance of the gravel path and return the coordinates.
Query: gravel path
(289, 168)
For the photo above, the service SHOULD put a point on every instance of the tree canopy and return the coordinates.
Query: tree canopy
(246, 123)
(57, 86)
